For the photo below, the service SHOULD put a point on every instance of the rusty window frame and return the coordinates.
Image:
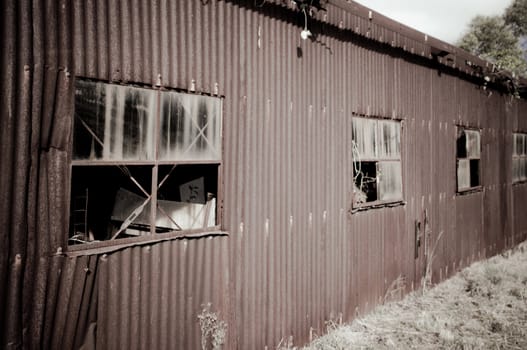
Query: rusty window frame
(157, 181)
(376, 156)
(468, 160)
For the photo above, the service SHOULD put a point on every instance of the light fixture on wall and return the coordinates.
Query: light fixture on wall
(305, 33)
(306, 6)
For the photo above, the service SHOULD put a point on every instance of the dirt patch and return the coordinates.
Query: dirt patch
(482, 307)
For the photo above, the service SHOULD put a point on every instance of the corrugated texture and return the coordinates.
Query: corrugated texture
(296, 256)
(37, 102)
(150, 297)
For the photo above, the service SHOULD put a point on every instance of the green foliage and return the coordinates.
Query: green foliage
(492, 39)
(516, 17)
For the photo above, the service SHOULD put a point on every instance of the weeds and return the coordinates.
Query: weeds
(426, 281)
(396, 289)
(482, 307)
(213, 330)
(286, 344)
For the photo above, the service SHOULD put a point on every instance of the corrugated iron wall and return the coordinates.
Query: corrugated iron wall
(296, 257)
(150, 297)
(36, 99)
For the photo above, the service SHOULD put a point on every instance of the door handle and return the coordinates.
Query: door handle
(417, 238)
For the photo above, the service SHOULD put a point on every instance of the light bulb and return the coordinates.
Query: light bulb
(305, 34)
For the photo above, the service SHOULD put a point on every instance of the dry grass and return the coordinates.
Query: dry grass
(482, 307)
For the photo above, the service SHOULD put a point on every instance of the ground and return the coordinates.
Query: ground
(482, 307)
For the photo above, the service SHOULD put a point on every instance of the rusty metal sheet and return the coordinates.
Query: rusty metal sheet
(296, 255)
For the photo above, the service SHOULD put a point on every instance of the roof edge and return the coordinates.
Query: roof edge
(375, 25)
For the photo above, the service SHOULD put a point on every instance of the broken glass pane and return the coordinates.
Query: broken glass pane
(105, 197)
(390, 180)
(190, 127)
(474, 172)
(463, 174)
(390, 136)
(461, 144)
(365, 180)
(113, 122)
(364, 135)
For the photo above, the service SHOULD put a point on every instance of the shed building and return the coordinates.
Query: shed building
(180, 174)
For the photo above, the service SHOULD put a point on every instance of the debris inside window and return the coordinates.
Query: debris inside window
(377, 172)
(365, 174)
(129, 179)
(468, 159)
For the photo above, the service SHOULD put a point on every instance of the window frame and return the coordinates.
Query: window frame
(156, 180)
(377, 159)
(469, 158)
(519, 157)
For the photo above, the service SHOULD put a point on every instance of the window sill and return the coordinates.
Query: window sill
(468, 191)
(377, 205)
(103, 247)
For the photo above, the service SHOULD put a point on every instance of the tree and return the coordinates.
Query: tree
(516, 17)
(491, 38)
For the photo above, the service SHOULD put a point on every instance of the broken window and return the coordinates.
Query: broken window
(519, 157)
(377, 173)
(468, 159)
(144, 161)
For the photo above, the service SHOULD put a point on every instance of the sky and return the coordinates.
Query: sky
(444, 19)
